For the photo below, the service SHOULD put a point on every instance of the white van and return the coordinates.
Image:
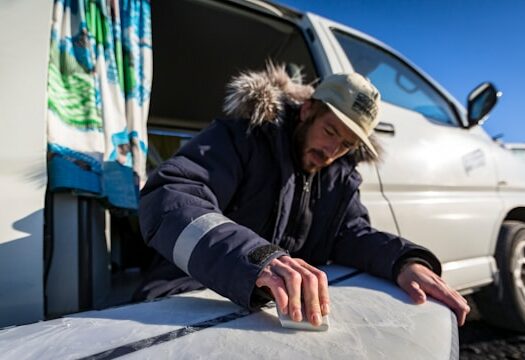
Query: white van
(517, 148)
(444, 183)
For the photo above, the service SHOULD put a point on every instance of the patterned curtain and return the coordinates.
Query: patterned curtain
(99, 83)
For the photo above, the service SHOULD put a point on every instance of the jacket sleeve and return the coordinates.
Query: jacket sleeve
(181, 215)
(379, 253)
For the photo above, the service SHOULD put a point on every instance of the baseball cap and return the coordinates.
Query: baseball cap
(354, 100)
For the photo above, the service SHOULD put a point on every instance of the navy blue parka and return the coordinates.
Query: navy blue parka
(219, 208)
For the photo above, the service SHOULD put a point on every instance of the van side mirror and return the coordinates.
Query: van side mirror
(480, 102)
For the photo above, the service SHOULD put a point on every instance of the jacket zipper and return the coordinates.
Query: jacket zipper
(304, 203)
(306, 186)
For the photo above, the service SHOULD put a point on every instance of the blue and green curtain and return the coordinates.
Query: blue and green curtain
(99, 84)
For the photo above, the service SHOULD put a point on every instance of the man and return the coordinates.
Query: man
(251, 204)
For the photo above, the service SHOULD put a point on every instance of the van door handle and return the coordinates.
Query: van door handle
(386, 128)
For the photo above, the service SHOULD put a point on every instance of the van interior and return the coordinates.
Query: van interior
(197, 47)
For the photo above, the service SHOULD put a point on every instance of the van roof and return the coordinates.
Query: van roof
(271, 8)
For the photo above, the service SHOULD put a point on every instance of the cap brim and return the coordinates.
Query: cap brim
(356, 129)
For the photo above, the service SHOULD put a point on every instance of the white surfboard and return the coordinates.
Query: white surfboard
(370, 319)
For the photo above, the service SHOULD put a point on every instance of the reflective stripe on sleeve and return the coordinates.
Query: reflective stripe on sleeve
(192, 234)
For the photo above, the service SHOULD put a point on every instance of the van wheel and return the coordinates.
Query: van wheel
(503, 303)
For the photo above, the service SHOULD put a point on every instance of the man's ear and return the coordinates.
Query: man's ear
(305, 110)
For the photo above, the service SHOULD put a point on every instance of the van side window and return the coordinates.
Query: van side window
(398, 83)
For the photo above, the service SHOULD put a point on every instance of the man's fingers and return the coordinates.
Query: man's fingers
(310, 289)
(293, 282)
(461, 315)
(415, 278)
(416, 293)
(322, 289)
(277, 287)
(442, 293)
(452, 299)
(306, 286)
(310, 286)
(460, 308)
(281, 296)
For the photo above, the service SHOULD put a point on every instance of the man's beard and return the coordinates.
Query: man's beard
(299, 139)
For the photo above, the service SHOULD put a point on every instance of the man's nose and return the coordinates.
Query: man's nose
(331, 149)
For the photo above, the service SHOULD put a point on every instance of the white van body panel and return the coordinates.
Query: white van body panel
(24, 45)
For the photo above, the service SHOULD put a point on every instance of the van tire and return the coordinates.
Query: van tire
(503, 303)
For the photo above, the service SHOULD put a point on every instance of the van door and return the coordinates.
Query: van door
(331, 58)
(23, 70)
(439, 177)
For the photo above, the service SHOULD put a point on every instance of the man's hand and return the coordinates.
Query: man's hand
(418, 281)
(288, 278)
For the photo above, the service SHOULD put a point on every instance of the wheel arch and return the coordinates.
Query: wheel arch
(517, 214)
(503, 303)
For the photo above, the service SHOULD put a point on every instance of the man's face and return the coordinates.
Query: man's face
(322, 140)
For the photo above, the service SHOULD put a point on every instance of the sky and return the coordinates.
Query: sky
(459, 43)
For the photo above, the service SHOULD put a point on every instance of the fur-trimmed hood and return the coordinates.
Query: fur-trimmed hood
(263, 96)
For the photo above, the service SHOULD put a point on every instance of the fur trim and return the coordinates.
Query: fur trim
(262, 96)
(363, 155)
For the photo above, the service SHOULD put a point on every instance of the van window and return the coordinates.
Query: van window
(398, 83)
(200, 45)
(520, 152)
